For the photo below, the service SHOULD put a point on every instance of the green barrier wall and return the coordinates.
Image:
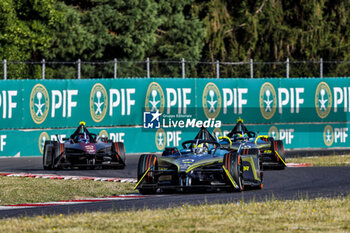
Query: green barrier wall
(138, 140)
(304, 112)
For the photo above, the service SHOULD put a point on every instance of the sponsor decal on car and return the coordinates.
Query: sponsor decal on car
(188, 160)
(90, 148)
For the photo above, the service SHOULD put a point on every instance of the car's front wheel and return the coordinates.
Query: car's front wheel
(148, 164)
(233, 165)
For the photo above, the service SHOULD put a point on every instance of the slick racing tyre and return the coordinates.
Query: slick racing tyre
(147, 161)
(47, 155)
(233, 164)
(278, 147)
(119, 149)
(258, 165)
(51, 154)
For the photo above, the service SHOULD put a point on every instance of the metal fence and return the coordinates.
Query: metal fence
(182, 68)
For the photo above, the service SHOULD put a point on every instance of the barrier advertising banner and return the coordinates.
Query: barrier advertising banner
(139, 140)
(304, 112)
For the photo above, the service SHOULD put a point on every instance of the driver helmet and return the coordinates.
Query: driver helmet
(83, 138)
(236, 136)
(200, 148)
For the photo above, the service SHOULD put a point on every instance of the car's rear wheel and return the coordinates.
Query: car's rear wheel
(147, 162)
(47, 155)
(52, 151)
(58, 150)
(281, 156)
(233, 164)
(119, 149)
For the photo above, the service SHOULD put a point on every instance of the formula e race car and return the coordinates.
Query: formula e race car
(202, 163)
(83, 149)
(271, 150)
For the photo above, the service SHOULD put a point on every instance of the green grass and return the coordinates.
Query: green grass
(323, 161)
(318, 215)
(17, 190)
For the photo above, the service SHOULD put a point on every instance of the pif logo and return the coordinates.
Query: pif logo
(273, 132)
(211, 100)
(328, 135)
(217, 132)
(267, 100)
(42, 138)
(160, 139)
(154, 100)
(323, 100)
(103, 134)
(98, 102)
(39, 103)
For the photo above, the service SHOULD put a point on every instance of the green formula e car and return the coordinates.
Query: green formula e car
(201, 163)
(271, 150)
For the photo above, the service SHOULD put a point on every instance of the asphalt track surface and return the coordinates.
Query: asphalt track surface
(288, 184)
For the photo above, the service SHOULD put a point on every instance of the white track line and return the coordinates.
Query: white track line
(53, 176)
(72, 202)
(299, 164)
